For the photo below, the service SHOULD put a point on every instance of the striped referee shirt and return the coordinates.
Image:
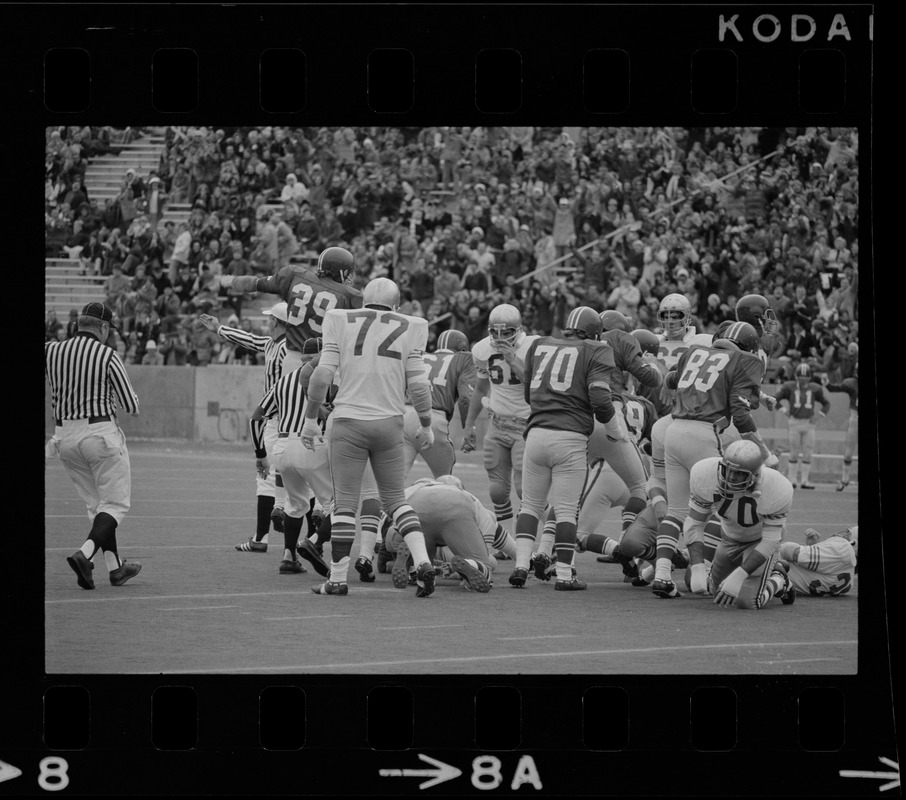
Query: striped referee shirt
(274, 350)
(286, 400)
(87, 379)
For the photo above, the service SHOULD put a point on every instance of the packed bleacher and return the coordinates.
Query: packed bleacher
(466, 218)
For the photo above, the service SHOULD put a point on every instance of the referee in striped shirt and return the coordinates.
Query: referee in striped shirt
(305, 472)
(269, 487)
(88, 382)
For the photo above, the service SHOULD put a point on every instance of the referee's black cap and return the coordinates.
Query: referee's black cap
(101, 312)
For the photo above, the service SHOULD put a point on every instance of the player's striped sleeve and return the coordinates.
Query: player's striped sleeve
(119, 380)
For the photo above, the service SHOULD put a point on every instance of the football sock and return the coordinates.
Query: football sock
(773, 585)
(526, 528)
(279, 491)
(566, 550)
(339, 570)
(370, 519)
(503, 542)
(503, 511)
(326, 529)
(600, 543)
(409, 526)
(712, 538)
(806, 468)
(292, 530)
(668, 534)
(265, 506)
(634, 506)
(89, 548)
(112, 560)
(846, 467)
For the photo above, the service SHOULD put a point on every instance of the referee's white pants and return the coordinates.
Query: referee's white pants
(554, 460)
(96, 458)
(304, 473)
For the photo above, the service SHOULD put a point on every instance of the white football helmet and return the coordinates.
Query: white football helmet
(674, 313)
(505, 324)
(851, 534)
(739, 468)
(382, 292)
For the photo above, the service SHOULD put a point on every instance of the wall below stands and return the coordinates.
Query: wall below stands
(214, 404)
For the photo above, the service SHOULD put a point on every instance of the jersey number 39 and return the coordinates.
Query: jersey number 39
(310, 307)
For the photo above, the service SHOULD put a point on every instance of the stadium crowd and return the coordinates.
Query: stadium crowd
(464, 219)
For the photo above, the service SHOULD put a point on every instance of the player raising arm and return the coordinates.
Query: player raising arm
(377, 353)
(308, 294)
(823, 567)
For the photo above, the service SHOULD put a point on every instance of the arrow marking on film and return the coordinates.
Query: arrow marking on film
(441, 772)
(861, 773)
(8, 772)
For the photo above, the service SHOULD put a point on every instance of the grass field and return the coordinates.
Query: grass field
(199, 606)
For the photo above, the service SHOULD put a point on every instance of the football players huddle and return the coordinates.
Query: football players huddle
(599, 416)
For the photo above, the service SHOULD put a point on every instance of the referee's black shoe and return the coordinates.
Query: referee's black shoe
(128, 569)
(82, 568)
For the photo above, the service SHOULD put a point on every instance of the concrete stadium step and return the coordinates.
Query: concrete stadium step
(54, 281)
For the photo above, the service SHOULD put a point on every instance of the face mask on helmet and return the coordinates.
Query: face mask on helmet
(504, 334)
(733, 480)
(674, 313)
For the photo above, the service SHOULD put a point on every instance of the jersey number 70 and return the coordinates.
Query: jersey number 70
(559, 368)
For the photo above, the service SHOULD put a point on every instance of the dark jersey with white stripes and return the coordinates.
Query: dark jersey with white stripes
(87, 379)
(451, 377)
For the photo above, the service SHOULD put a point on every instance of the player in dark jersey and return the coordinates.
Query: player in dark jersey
(567, 386)
(309, 295)
(650, 343)
(851, 387)
(451, 376)
(807, 404)
(714, 386)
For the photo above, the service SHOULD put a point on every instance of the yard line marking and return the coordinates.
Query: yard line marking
(168, 597)
(143, 547)
(548, 636)
(195, 608)
(419, 627)
(557, 654)
(314, 616)
(797, 660)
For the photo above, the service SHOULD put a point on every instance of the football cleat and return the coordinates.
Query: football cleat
(787, 595)
(606, 559)
(365, 570)
(291, 567)
(575, 585)
(474, 578)
(82, 568)
(630, 570)
(842, 485)
(501, 556)
(519, 577)
(399, 573)
(806, 486)
(310, 552)
(666, 590)
(425, 578)
(541, 566)
(277, 519)
(251, 546)
(330, 588)
(640, 581)
(127, 570)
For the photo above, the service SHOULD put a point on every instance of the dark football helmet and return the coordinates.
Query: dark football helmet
(583, 323)
(648, 341)
(337, 264)
(742, 335)
(755, 309)
(615, 321)
(453, 340)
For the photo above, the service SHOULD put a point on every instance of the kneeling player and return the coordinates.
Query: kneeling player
(752, 504)
(822, 568)
(453, 518)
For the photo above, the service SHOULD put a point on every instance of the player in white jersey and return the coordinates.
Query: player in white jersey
(823, 567)
(378, 355)
(752, 504)
(499, 362)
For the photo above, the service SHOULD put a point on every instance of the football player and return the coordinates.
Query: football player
(714, 385)
(799, 400)
(674, 315)
(457, 527)
(451, 376)
(499, 360)
(309, 295)
(752, 503)
(567, 386)
(756, 310)
(650, 343)
(378, 354)
(822, 567)
(851, 387)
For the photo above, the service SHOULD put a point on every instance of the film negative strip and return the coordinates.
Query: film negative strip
(210, 675)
